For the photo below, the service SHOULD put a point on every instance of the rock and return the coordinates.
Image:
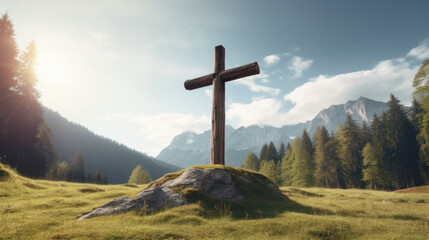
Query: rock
(217, 183)
(150, 199)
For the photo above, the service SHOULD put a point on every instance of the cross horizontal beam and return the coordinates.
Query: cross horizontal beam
(227, 75)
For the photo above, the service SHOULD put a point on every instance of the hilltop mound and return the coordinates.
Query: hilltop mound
(422, 189)
(243, 192)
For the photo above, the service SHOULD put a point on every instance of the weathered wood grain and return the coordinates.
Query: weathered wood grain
(227, 75)
(217, 153)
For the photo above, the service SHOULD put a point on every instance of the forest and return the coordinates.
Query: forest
(391, 153)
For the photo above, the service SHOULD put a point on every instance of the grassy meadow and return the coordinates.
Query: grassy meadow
(41, 209)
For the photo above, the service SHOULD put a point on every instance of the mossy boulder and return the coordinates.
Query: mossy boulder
(243, 193)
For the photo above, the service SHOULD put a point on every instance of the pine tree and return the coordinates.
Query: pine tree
(44, 156)
(105, 180)
(323, 168)
(286, 167)
(89, 177)
(302, 169)
(421, 82)
(350, 153)
(8, 71)
(52, 173)
(264, 153)
(139, 176)
(27, 116)
(282, 151)
(63, 171)
(379, 145)
(336, 178)
(98, 179)
(403, 147)
(77, 168)
(372, 173)
(421, 116)
(272, 153)
(365, 134)
(251, 162)
(417, 115)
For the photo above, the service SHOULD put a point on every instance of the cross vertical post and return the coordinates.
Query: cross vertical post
(218, 79)
(217, 154)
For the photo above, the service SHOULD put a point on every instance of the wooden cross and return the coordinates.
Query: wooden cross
(218, 79)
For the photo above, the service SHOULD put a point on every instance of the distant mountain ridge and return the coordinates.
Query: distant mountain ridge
(114, 159)
(189, 148)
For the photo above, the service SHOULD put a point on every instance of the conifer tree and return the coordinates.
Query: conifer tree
(351, 153)
(264, 153)
(98, 179)
(251, 162)
(323, 168)
(421, 116)
(302, 169)
(63, 171)
(77, 168)
(282, 151)
(336, 178)
(272, 153)
(403, 148)
(365, 134)
(306, 141)
(8, 71)
(421, 83)
(372, 172)
(139, 176)
(379, 147)
(89, 178)
(105, 180)
(286, 166)
(417, 115)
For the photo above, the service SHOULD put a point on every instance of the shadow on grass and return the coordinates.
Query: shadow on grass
(294, 191)
(250, 208)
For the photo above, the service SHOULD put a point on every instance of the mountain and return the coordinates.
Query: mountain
(189, 148)
(114, 159)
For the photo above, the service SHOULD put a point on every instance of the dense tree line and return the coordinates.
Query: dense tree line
(392, 153)
(75, 172)
(25, 138)
(112, 158)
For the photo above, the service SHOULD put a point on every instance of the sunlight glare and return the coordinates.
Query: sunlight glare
(52, 71)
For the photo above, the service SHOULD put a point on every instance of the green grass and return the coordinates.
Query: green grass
(40, 209)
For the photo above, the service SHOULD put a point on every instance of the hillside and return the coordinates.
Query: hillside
(189, 148)
(41, 209)
(114, 159)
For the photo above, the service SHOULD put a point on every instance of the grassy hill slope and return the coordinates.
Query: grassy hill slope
(40, 209)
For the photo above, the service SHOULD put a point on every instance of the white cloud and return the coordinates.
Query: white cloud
(161, 128)
(261, 111)
(389, 76)
(420, 52)
(297, 65)
(271, 59)
(255, 87)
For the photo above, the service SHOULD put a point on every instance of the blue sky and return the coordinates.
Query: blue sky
(118, 67)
